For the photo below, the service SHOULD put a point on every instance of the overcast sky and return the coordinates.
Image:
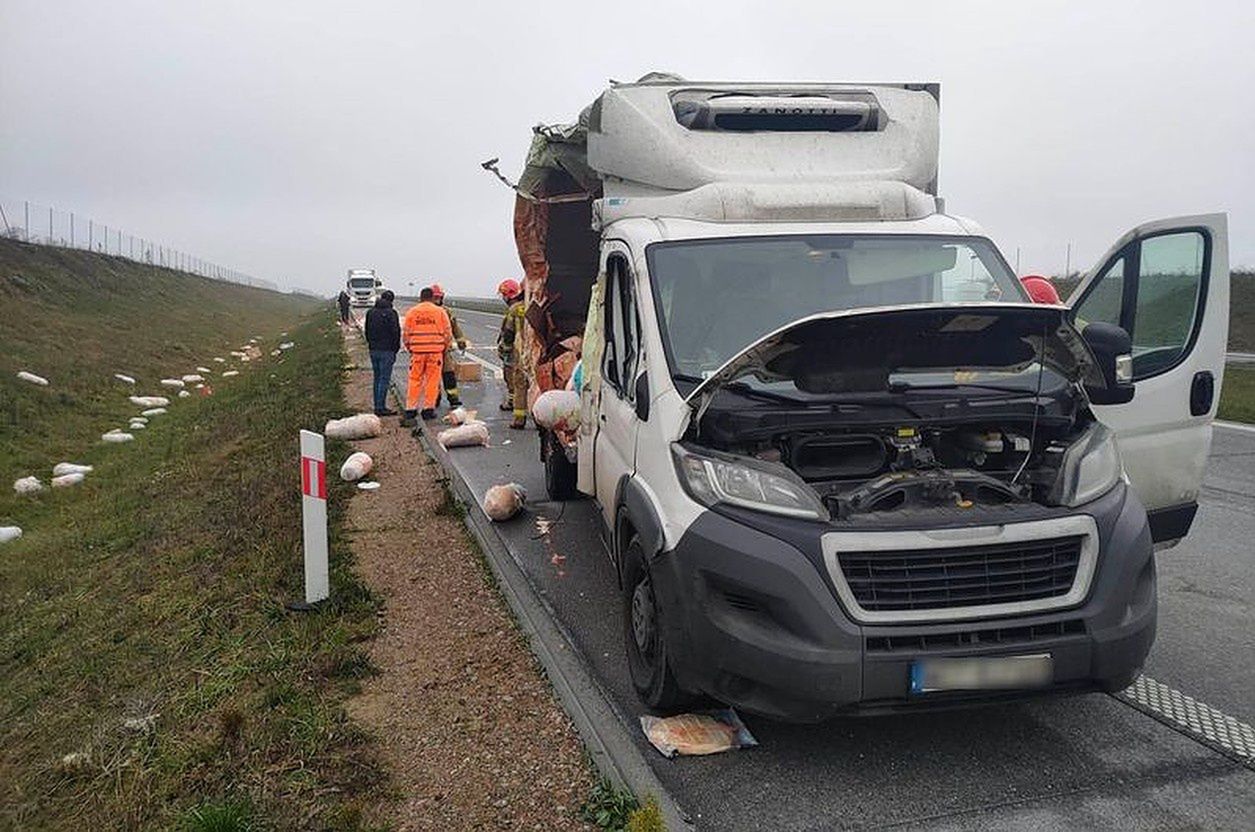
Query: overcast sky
(293, 140)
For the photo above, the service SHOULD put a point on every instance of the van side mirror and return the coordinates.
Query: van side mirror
(1113, 349)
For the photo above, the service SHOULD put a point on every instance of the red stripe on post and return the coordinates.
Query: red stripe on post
(313, 477)
(321, 468)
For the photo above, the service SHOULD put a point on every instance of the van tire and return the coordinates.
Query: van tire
(647, 658)
(560, 472)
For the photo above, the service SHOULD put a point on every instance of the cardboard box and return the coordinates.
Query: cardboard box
(469, 371)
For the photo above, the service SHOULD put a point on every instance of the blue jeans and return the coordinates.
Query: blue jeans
(381, 362)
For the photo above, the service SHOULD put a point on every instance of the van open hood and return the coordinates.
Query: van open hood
(857, 350)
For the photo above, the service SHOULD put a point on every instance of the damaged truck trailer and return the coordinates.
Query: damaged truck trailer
(843, 464)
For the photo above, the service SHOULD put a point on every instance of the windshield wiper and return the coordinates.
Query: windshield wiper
(903, 386)
(744, 389)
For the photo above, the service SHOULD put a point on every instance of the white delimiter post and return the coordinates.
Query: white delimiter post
(314, 509)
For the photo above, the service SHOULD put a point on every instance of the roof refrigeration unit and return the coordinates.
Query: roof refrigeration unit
(718, 152)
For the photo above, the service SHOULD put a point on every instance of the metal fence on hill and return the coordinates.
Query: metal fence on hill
(45, 225)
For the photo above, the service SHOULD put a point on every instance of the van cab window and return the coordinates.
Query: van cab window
(622, 328)
(1159, 305)
(715, 297)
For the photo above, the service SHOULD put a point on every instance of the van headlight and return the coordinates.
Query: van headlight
(710, 478)
(1091, 467)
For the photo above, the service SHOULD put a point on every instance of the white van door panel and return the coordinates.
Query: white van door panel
(1167, 284)
(614, 455)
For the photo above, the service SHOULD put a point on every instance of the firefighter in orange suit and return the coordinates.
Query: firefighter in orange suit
(426, 334)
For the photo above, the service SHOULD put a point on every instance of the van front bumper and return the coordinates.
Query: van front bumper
(752, 619)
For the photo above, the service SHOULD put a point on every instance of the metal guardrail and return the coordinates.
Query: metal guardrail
(1239, 358)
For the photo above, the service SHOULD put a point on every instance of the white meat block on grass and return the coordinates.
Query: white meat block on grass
(203, 370)
(124, 378)
(63, 468)
(183, 394)
(32, 378)
(230, 373)
(8, 534)
(172, 382)
(149, 401)
(153, 411)
(220, 360)
(137, 426)
(117, 437)
(361, 426)
(369, 485)
(356, 466)
(192, 378)
(287, 345)
(28, 485)
(66, 480)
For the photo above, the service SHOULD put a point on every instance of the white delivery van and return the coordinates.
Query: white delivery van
(842, 463)
(363, 286)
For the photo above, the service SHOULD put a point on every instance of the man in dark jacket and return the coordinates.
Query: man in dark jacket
(343, 302)
(383, 337)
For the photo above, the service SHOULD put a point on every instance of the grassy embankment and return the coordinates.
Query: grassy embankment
(150, 676)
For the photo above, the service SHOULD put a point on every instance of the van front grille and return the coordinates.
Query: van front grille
(963, 576)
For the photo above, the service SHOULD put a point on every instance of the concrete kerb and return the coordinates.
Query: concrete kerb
(605, 738)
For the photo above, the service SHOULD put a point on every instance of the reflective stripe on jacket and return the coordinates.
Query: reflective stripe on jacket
(426, 328)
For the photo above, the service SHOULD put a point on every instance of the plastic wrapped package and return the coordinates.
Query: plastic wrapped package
(28, 485)
(356, 466)
(557, 410)
(695, 734)
(32, 378)
(501, 502)
(460, 416)
(117, 437)
(63, 468)
(192, 378)
(230, 373)
(149, 401)
(183, 394)
(471, 433)
(204, 370)
(9, 533)
(66, 480)
(172, 382)
(124, 378)
(153, 411)
(361, 426)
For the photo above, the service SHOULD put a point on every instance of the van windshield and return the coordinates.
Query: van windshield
(716, 297)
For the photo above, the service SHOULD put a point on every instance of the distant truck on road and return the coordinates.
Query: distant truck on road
(363, 286)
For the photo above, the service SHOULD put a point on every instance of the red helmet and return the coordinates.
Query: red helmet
(509, 289)
(437, 291)
(1040, 289)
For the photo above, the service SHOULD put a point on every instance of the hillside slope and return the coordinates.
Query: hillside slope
(76, 318)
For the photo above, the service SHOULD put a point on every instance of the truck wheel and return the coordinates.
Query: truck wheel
(642, 630)
(560, 472)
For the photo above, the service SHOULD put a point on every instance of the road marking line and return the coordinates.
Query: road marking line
(1195, 719)
(1234, 426)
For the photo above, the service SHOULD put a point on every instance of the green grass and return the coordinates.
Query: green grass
(155, 591)
(1237, 394)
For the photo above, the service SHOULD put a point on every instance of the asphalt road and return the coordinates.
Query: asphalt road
(1084, 762)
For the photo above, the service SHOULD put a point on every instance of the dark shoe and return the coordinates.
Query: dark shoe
(385, 412)
(429, 414)
(519, 423)
(409, 419)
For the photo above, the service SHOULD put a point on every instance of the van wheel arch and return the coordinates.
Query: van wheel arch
(635, 517)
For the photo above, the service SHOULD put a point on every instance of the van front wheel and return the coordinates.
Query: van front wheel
(648, 664)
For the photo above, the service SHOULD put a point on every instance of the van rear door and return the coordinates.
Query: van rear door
(1167, 284)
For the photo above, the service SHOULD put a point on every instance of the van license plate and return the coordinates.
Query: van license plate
(981, 673)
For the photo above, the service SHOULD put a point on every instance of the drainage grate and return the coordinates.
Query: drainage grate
(1193, 718)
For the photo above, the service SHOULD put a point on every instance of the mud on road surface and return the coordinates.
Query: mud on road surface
(463, 719)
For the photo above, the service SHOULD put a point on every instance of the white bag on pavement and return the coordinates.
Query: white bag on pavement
(28, 485)
(471, 433)
(63, 468)
(501, 502)
(356, 466)
(460, 416)
(361, 426)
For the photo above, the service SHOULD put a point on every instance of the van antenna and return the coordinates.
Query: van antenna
(1032, 433)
